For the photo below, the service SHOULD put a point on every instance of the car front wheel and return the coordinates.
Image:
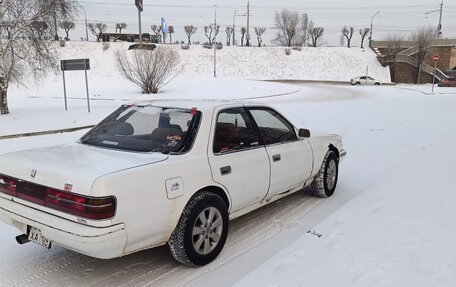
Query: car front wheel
(202, 230)
(324, 183)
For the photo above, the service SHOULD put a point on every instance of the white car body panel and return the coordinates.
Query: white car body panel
(146, 214)
(75, 164)
(294, 167)
(248, 181)
(363, 80)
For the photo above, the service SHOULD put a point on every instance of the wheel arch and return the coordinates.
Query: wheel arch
(333, 148)
(218, 191)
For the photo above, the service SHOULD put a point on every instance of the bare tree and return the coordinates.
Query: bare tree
(20, 46)
(209, 30)
(243, 31)
(171, 32)
(190, 30)
(259, 34)
(287, 25)
(316, 33)
(150, 70)
(40, 28)
(363, 32)
(120, 27)
(157, 29)
(97, 29)
(62, 10)
(229, 32)
(208, 33)
(67, 26)
(348, 34)
(423, 39)
(393, 49)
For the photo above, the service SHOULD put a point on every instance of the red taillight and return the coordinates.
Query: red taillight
(79, 205)
(8, 185)
(87, 207)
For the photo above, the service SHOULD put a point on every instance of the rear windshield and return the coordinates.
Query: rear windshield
(146, 129)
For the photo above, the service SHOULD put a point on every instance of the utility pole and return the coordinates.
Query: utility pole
(439, 28)
(214, 43)
(234, 28)
(305, 26)
(248, 24)
(140, 6)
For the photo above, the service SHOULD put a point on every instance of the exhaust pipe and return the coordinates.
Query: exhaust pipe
(22, 239)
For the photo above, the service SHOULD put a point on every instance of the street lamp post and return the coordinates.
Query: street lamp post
(372, 21)
(248, 24)
(234, 27)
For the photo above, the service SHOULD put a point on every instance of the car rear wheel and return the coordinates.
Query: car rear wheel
(324, 183)
(202, 230)
(377, 84)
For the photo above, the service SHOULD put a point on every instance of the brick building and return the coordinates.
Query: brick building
(404, 63)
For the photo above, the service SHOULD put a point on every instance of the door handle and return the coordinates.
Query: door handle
(276, 157)
(225, 170)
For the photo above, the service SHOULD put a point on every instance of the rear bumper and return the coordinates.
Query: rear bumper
(100, 242)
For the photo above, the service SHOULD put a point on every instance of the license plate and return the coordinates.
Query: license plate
(36, 236)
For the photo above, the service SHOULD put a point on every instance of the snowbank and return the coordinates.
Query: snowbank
(265, 63)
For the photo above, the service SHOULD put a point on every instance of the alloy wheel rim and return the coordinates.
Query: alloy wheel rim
(331, 174)
(207, 230)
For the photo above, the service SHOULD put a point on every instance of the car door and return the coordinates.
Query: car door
(237, 159)
(291, 158)
(370, 81)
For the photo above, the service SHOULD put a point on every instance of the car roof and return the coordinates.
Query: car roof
(199, 104)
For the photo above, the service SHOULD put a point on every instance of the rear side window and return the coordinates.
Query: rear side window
(234, 131)
(273, 127)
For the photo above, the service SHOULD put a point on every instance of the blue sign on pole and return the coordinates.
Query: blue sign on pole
(164, 28)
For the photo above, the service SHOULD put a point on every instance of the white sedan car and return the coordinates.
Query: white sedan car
(163, 172)
(364, 80)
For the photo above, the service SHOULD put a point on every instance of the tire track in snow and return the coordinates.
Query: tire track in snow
(154, 267)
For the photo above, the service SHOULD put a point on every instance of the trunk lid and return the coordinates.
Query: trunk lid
(76, 165)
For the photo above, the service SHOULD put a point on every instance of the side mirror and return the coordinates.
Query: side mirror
(304, 133)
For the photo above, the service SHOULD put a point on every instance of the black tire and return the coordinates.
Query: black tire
(320, 183)
(377, 84)
(357, 83)
(182, 241)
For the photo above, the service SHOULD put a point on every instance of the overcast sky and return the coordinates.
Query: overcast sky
(396, 16)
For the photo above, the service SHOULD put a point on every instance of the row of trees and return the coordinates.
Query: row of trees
(347, 32)
(291, 31)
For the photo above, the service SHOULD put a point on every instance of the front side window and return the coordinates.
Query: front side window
(145, 129)
(234, 131)
(272, 126)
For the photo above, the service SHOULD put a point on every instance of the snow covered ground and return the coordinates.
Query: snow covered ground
(388, 224)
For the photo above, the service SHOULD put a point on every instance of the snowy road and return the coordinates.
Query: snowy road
(381, 127)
